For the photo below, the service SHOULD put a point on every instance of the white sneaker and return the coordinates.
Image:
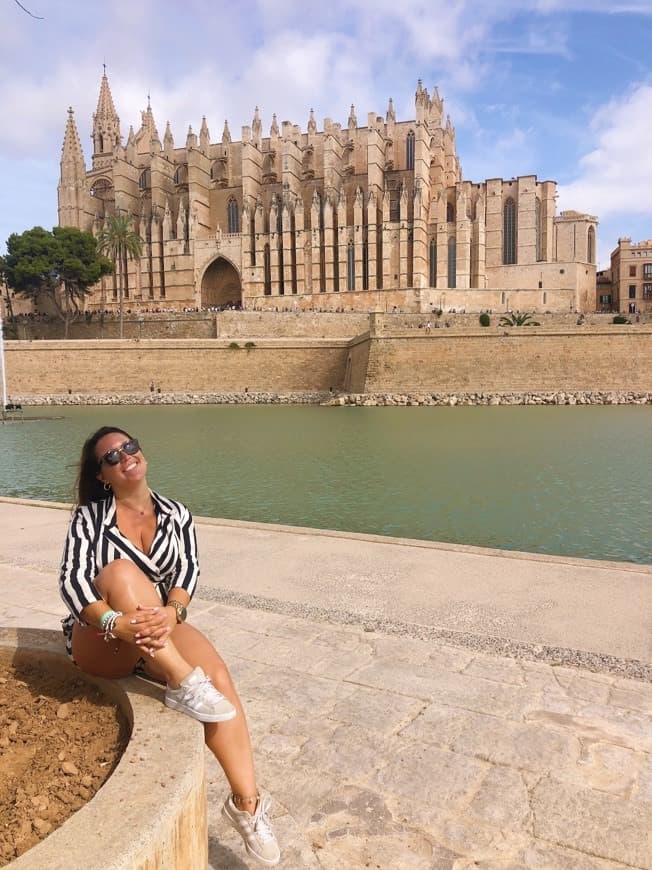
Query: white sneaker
(256, 831)
(198, 697)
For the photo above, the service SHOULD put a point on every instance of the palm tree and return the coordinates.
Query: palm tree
(517, 319)
(122, 243)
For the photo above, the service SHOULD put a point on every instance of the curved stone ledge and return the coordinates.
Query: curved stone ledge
(151, 812)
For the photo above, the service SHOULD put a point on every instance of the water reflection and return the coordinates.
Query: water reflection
(574, 481)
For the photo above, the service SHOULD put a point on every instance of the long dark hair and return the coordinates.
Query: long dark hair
(89, 488)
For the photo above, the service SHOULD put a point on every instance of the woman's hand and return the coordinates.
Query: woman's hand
(146, 627)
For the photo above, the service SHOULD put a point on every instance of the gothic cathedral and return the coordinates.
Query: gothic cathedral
(356, 217)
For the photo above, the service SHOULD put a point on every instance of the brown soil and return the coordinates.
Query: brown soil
(60, 739)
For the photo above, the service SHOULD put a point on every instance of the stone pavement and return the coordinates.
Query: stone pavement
(383, 750)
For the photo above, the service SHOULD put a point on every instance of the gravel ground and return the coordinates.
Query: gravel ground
(552, 655)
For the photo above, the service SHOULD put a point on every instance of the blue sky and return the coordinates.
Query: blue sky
(559, 88)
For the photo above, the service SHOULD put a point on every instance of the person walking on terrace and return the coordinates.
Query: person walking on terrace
(128, 574)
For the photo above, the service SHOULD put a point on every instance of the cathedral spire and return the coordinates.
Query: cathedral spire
(256, 127)
(353, 121)
(391, 114)
(73, 174)
(147, 137)
(204, 135)
(72, 155)
(312, 124)
(226, 134)
(106, 126)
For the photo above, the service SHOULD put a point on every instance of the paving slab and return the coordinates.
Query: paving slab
(382, 749)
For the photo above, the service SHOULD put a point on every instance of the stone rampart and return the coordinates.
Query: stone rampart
(100, 367)
(222, 324)
(517, 360)
(521, 360)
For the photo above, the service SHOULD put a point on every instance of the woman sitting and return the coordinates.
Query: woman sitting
(128, 573)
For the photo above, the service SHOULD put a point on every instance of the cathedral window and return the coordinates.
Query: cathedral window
(268, 271)
(509, 232)
(452, 263)
(145, 180)
(409, 151)
(350, 267)
(450, 213)
(181, 174)
(433, 262)
(591, 245)
(394, 200)
(232, 215)
(538, 230)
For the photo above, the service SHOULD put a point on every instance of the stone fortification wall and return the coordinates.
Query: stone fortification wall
(517, 360)
(356, 364)
(300, 324)
(223, 324)
(403, 323)
(100, 367)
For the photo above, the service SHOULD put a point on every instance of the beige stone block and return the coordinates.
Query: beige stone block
(643, 788)
(449, 658)
(632, 695)
(502, 801)
(584, 686)
(499, 741)
(303, 693)
(611, 724)
(400, 649)
(539, 855)
(349, 751)
(475, 840)
(451, 689)
(428, 782)
(499, 670)
(602, 825)
(609, 768)
(379, 712)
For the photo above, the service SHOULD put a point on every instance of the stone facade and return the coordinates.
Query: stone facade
(631, 276)
(358, 216)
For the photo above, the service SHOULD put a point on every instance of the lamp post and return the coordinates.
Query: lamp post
(2, 364)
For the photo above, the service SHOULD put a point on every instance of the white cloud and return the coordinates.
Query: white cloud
(615, 175)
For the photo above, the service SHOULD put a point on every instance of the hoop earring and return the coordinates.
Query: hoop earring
(107, 486)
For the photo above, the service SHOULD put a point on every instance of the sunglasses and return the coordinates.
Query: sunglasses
(112, 457)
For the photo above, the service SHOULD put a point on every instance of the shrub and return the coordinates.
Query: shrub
(249, 344)
(517, 319)
(484, 319)
(234, 345)
(620, 318)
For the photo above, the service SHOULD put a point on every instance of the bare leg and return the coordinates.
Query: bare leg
(123, 586)
(228, 741)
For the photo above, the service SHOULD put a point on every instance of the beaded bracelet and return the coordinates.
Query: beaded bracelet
(108, 625)
(105, 618)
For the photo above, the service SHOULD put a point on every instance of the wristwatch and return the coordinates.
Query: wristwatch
(182, 613)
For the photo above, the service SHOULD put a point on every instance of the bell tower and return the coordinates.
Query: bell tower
(106, 127)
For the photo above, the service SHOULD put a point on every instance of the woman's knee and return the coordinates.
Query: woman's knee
(121, 576)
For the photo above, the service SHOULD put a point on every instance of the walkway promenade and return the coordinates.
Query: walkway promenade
(413, 705)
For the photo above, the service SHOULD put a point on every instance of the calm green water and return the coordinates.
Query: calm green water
(574, 481)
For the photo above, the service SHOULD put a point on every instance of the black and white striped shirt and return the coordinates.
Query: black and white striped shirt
(94, 540)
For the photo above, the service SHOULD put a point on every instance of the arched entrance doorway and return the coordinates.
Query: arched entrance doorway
(220, 285)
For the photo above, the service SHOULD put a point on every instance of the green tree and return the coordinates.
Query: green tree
(61, 266)
(517, 319)
(121, 243)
